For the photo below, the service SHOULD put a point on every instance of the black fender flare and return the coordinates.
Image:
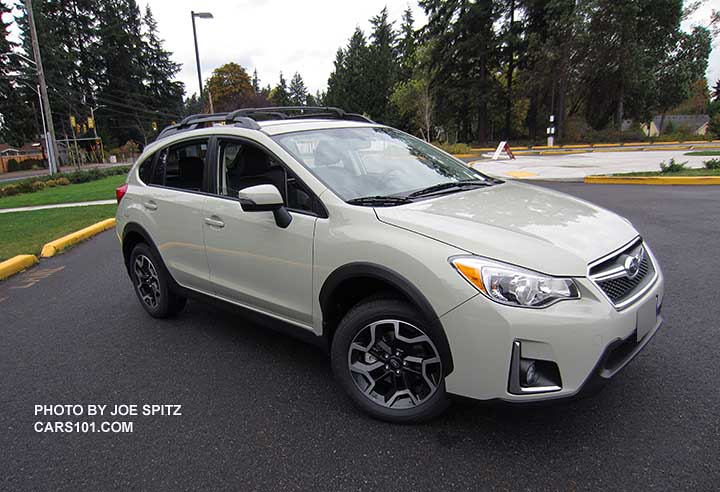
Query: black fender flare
(134, 227)
(398, 282)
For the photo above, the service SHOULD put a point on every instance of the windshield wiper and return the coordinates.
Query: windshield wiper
(470, 183)
(380, 201)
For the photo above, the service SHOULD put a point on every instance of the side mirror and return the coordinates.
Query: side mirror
(265, 198)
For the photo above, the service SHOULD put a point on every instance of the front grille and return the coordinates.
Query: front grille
(611, 276)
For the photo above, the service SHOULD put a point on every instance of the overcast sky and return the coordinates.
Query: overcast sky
(267, 35)
(291, 35)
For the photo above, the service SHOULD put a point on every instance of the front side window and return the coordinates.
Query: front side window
(242, 165)
(372, 162)
(182, 166)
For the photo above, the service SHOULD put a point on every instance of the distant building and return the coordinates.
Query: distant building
(696, 124)
(7, 150)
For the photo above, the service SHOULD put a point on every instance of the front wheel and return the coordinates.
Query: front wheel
(152, 283)
(384, 355)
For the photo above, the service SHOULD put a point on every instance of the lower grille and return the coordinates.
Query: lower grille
(625, 275)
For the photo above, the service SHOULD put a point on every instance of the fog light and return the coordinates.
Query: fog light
(529, 372)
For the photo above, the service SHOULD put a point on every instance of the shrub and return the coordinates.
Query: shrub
(10, 190)
(712, 164)
(672, 166)
(38, 185)
(456, 148)
(12, 164)
(62, 181)
(50, 183)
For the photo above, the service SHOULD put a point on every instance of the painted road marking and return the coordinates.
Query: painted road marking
(36, 276)
(520, 174)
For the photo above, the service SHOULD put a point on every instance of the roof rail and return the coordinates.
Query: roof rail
(296, 112)
(195, 120)
(246, 117)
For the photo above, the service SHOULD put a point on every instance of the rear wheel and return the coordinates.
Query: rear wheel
(384, 354)
(152, 283)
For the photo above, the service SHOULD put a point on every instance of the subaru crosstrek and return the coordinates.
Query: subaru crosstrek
(423, 277)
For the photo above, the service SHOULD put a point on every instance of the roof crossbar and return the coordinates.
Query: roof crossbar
(193, 121)
(246, 117)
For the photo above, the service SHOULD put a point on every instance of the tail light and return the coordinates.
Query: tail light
(120, 192)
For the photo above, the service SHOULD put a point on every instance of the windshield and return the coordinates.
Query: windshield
(370, 162)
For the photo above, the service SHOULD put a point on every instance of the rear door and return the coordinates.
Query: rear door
(253, 261)
(173, 205)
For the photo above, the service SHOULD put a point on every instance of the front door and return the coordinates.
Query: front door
(253, 261)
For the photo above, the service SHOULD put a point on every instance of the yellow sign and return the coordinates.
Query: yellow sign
(72, 121)
(91, 123)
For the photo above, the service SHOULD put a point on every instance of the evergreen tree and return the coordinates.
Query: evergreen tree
(406, 46)
(279, 96)
(335, 95)
(382, 66)
(255, 82)
(164, 94)
(716, 90)
(298, 92)
(16, 122)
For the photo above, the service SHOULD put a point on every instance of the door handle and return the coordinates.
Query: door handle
(150, 205)
(214, 221)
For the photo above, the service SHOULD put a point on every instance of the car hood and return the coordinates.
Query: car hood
(525, 225)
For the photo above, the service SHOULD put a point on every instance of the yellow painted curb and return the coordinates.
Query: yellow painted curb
(637, 143)
(54, 247)
(535, 147)
(654, 180)
(482, 149)
(575, 146)
(619, 149)
(562, 152)
(16, 264)
(607, 145)
(465, 156)
(694, 141)
(672, 147)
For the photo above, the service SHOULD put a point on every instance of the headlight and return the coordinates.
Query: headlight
(514, 286)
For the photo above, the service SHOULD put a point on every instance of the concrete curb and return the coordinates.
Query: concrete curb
(16, 264)
(654, 180)
(54, 247)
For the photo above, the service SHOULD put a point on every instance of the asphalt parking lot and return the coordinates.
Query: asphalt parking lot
(260, 410)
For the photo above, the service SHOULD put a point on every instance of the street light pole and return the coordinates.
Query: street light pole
(201, 15)
(53, 153)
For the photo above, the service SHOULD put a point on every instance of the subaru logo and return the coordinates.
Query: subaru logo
(632, 264)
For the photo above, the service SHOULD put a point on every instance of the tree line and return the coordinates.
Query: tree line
(477, 71)
(101, 57)
(480, 71)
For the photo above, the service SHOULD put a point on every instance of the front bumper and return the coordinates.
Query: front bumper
(588, 339)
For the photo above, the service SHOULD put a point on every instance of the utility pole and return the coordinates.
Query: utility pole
(53, 153)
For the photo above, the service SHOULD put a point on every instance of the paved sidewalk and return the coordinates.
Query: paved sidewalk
(574, 167)
(57, 205)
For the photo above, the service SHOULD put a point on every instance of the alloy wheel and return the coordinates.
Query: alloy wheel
(394, 364)
(147, 281)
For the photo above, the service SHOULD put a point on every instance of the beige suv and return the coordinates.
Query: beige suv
(421, 276)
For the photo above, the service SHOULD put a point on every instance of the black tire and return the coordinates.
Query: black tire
(151, 279)
(356, 323)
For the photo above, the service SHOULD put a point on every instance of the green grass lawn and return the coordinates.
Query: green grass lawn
(27, 232)
(101, 189)
(708, 153)
(684, 172)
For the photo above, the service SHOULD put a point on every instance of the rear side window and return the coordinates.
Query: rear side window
(182, 166)
(146, 170)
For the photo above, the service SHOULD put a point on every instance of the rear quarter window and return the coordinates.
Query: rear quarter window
(145, 172)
